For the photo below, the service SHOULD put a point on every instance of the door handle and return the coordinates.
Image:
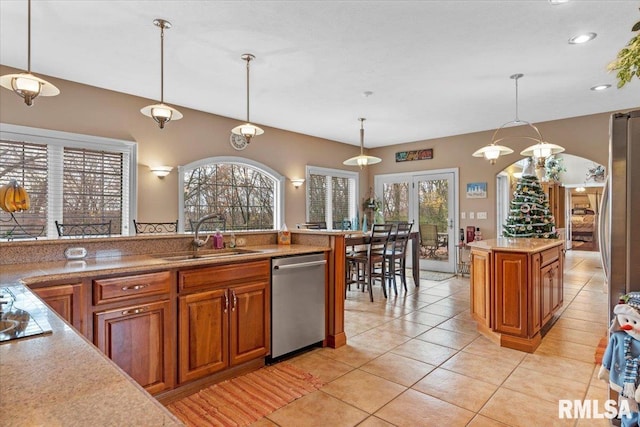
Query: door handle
(299, 265)
(226, 302)
(235, 300)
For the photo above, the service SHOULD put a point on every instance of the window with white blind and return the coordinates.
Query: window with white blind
(70, 178)
(331, 196)
(247, 194)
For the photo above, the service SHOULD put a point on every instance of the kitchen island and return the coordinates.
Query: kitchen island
(516, 288)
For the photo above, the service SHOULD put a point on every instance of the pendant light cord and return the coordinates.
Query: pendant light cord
(29, 37)
(161, 63)
(516, 77)
(248, 61)
(362, 137)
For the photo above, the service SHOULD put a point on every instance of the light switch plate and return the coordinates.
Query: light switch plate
(463, 215)
(482, 215)
(472, 215)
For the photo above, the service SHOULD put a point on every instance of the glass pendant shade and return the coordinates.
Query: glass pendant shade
(247, 130)
(542, 150)
(26, 85)
(491, 152)
(362, 160)
(161, 113)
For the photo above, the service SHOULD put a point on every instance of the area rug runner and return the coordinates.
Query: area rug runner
(243, 400)
(435, 275)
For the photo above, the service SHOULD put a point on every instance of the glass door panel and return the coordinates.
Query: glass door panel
(435, 213)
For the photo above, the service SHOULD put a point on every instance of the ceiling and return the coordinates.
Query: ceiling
(436, 68)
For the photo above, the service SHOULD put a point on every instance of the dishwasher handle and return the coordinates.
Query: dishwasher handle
(299, 265)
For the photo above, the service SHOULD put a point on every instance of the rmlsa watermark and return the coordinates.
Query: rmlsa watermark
(592, 409)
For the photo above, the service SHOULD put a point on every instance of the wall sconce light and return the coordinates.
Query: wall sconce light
(297, 182)
(161, 171)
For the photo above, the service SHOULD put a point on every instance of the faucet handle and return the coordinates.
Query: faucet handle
(198, 243)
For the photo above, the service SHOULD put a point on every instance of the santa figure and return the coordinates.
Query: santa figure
(620, 360)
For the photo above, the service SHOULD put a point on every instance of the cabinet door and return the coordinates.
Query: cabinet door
(480, 287)
(535, 296)
(138, 339)
(511, 293)
(203, 334)
(249, 331)
(547, 279)
(66, 300)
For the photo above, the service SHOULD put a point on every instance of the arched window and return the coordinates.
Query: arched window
(246, 194)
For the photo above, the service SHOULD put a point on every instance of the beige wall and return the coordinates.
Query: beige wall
(93, 111)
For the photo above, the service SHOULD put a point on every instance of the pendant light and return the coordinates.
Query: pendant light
(161, 113)
(26, 85)
(247, 130)
(362, 160)
(492, 151)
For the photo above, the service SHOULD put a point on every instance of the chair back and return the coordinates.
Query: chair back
(400, 237)
(380, 234)
(212, 224)
(428, 235)
(84, 229)
(155, 227)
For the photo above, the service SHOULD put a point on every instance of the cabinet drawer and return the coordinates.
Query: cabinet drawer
(223, 275)
(122, 288)
(550, 255)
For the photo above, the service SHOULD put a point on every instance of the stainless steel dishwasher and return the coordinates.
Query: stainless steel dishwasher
(297, 302)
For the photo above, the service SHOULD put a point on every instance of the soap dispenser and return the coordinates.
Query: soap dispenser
(218, 241)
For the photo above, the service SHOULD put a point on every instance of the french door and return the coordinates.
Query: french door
(430, 200)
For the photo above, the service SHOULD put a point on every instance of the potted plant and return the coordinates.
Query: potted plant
(627, 64)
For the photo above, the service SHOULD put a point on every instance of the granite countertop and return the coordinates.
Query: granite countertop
(61, 378)
(37, 272)
(516, 244)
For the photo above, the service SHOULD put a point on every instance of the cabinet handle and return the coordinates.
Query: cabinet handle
(134, 287)
(226, 302)
(235, 301)
(135, 311)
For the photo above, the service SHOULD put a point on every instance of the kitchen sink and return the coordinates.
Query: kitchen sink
(191, 256)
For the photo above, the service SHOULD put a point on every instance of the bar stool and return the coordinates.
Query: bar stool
(396, 257)
(371, 261)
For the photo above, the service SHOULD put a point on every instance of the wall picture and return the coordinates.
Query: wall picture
(477, 190)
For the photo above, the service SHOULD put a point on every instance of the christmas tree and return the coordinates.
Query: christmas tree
(529, 214)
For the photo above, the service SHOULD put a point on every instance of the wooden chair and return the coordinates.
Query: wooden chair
(429, 239)
(370, 265)
(84, 229)
(396, 256)
(155, 227)
(210, 225)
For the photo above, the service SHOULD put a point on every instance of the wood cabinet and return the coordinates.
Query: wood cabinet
(137, 338)
(67, 301)
(132, 325)
(516, 288)
(555, 194)
(223, 317)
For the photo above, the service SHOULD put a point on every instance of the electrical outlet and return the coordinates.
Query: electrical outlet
(472, 215)
(463, 215)
(482, 215)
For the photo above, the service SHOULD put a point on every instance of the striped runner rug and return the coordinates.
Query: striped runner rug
(243, 400)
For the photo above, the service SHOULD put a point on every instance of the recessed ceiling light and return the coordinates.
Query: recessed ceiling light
(556, 2)
(582, 38)
(600, 87)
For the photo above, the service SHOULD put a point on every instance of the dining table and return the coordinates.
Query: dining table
(359, 238)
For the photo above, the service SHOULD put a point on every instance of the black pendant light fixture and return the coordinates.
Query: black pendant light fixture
(26, 85)
(247, 130)
(161, 113)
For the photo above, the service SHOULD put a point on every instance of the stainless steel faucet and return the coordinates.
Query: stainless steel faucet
(197, 242)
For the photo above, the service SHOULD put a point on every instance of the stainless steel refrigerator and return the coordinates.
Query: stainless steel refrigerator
(620, 220)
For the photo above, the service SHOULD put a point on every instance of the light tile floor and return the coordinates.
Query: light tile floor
(417, 360)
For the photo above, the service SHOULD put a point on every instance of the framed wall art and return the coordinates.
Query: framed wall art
(477, 190)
